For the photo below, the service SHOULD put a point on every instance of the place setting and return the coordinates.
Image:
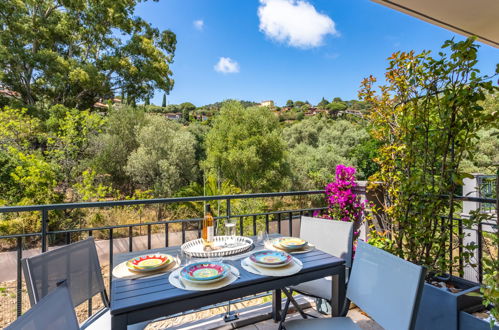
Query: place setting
(146, 265)
(204, 275)
(271, 263)
(291, 245)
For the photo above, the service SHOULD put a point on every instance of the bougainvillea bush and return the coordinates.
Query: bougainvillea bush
(343, 203)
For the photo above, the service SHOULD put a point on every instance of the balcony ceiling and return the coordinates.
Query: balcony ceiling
(478, 18)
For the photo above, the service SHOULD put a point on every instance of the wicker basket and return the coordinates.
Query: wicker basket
(238, 244)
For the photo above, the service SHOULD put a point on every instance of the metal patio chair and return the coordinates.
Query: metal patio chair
(54, 311)
(78, 265)
(384, 286)
(333, 237)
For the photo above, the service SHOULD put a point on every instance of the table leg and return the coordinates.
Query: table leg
(339, 292)
(276, 305)
(338, 297)
(118, 322)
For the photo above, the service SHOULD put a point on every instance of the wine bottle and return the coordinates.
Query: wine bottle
(208, 227)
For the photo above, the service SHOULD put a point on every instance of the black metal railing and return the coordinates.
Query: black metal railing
(270, 221)
(275, 217)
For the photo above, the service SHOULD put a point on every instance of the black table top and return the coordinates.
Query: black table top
(130, 295)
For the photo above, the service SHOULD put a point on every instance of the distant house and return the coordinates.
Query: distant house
(9, 93)
(104, 104)
(268, 103)
(100, 105)
(173, 116)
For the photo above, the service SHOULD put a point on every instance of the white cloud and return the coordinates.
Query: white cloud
(226, 65)
(198, 24)
(294, 22)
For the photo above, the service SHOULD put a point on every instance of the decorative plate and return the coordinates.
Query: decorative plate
(205, 271)
(290, 243)
(149, 262)
(269, 257)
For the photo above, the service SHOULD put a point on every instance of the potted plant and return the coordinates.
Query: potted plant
(426, 119)
(486, 316)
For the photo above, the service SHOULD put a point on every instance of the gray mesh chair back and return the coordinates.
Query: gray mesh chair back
(386, 287)
(54, 311)
(331, 236)
(76, 263)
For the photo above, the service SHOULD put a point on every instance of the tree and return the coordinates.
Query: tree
(245, 147)
(322, 104)
(317, 145)
(74, 52)
(289, 103)
(165, 157)
(163, 104)
(336, 106)
(113, 146)
(69, 136)
(426, 119)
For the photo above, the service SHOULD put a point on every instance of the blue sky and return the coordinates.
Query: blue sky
(325, 51)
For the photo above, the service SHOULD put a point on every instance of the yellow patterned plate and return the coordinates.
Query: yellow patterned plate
(290, 243)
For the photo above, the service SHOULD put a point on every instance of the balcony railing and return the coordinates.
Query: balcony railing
(280, 221)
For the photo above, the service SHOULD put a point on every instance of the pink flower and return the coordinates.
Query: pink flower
(343, 203)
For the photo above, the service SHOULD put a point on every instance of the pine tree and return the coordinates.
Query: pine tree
(164, 101)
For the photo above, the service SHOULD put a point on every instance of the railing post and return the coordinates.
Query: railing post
(45, 218)
(110, 259)
(241, 226)
(254, 225)
(228, 209)
(149, 230)
(267, 230)
(19, 279)
(480, 253)
(130, 239)
(166, 235)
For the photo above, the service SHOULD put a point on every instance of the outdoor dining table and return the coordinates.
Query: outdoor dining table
(149, 298)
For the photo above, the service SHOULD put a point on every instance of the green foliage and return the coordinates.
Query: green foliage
(317, 145)
(245, 147)
(90, 189)
(18, 129)
(33, 179)
(334, 107)
(323, 104)
(68, 140)
(165, 157)
(289, 103)
(113, 147)
(485, 156)
(199, 131)
(74, 52)
(426, 119)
